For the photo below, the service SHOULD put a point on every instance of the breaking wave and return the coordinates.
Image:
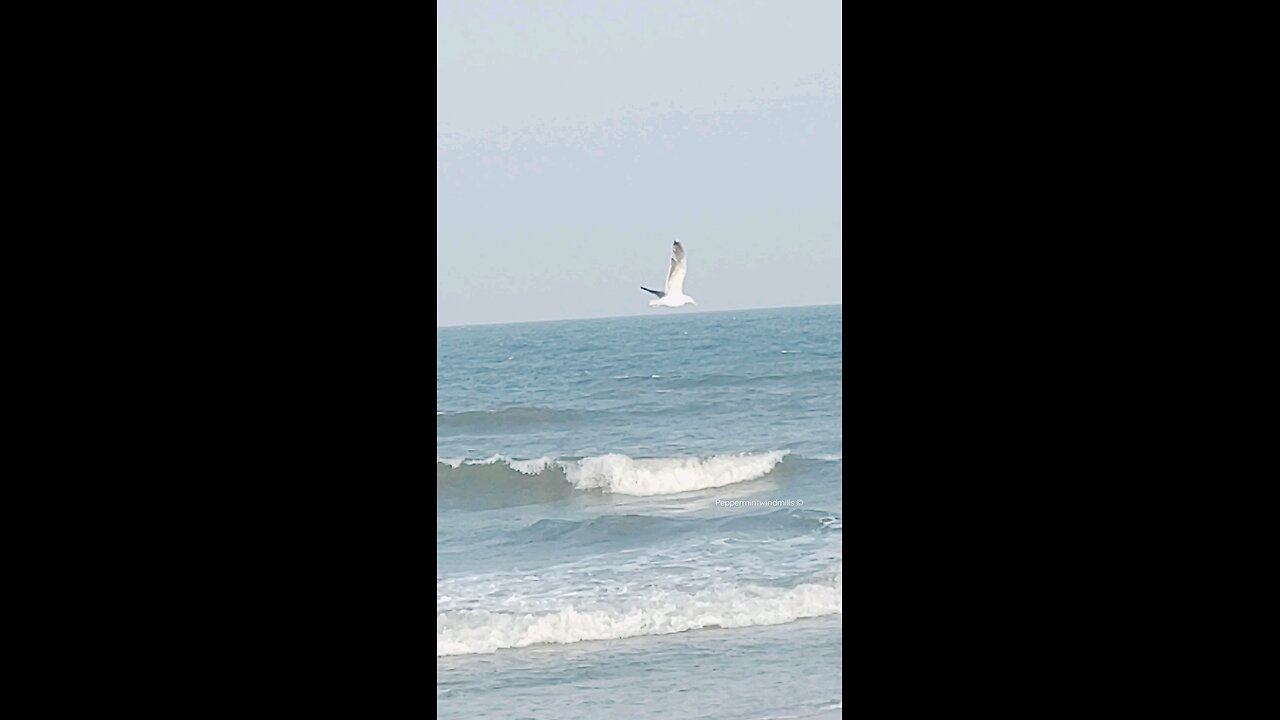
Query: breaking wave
(548, 478)
(665, 476)
(525, 467)
(650, 612)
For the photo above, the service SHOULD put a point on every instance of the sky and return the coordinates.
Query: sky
(576, 140)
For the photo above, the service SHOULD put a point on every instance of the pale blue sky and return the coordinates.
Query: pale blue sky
(576, 140)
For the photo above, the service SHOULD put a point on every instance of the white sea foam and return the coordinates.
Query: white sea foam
(657, 612)
(643, 476)
(528, 467)
(531, 467)
(664, 476)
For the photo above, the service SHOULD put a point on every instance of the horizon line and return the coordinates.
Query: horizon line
(639, 314)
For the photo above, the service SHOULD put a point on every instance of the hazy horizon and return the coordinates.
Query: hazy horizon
(652, 313)
(575, 141)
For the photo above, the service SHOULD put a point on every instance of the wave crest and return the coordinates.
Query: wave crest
(653, 613)
(525, 467)
(613, 473)
(665, 476)
(641, 527)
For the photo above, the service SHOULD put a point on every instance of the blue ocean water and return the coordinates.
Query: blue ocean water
(641, 517)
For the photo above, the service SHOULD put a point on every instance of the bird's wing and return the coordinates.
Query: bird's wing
(655, 292)
(675, 275)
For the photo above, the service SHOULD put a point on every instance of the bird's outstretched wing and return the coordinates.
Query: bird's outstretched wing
(675, 275)
(655, 292)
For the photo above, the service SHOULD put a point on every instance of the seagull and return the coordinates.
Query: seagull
(673, 295)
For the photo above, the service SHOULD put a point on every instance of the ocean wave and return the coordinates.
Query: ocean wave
(524, 467)
(495, 483)
(666, 476)
(624, 527)
(651, 612)
(617, 474)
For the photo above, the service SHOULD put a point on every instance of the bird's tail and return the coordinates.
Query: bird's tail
(655, 292)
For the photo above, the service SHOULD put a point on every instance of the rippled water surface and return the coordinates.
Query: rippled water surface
(641, 516)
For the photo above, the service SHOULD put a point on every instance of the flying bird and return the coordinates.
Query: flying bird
(672, 294)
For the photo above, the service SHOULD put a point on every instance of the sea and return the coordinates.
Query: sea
(641, 517)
